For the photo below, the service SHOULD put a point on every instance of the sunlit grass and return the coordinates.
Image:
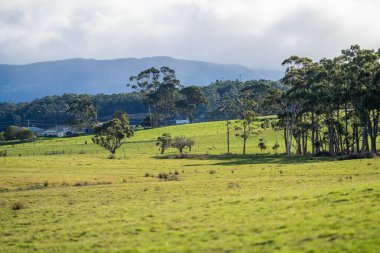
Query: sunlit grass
(260, 203)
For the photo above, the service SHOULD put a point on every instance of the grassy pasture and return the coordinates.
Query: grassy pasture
(84, 202)
(210, 138)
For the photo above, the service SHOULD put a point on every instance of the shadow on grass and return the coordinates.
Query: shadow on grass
(257, 159)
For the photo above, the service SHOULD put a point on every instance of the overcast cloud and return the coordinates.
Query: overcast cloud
(254, 33)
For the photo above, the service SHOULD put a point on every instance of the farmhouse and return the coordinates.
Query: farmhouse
(58, 132)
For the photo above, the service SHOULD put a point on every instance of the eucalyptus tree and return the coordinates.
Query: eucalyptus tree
(192, 98)
(294, 99)
(82, 112)
(230, 109)
(110, 134)
(245, 127)
(159, 89)
(361, 67)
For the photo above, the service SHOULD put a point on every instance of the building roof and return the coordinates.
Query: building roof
(35, 129)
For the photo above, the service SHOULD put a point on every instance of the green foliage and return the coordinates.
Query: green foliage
(164, 142)
(159, 89)
(275, 147)
(245, 127)
(17, 133)
(182, 142)
(334, 102)
(110, 134)
(82, 112)
(192, 98)
(262, 145)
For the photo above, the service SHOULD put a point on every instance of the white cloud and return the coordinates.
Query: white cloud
(255, 33)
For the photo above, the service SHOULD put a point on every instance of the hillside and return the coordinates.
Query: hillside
(26, 82)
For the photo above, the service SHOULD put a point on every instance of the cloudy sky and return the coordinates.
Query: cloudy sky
(254, 33)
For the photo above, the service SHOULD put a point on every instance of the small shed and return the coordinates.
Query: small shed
(55, 133)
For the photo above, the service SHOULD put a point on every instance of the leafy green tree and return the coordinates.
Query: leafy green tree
(17, 133)
(192, 98)
(164, 142)
(110, 134)
(159, 89)
(262, 145)
(230, 109)
(25, 134)
(181, 143)
(2, 138)
(245, 128)
(275, 147)
(294, 100)
(11, 133)
(82, 112)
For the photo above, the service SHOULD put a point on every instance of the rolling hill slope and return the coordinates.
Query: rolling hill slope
(26, 82)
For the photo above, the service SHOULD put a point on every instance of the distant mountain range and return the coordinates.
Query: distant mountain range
(26, 82)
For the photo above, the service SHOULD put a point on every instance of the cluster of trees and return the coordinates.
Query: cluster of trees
(333, 103)
(164, 95)
(14, 133)
(179, 142)
(52, 110)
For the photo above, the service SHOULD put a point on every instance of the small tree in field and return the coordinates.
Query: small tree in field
(245, 128)
(275, 147)
(164, 142)
(262, 145)
(110, 134)
(181, 143)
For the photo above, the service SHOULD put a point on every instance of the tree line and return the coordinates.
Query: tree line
(49, 111)
(333, 103)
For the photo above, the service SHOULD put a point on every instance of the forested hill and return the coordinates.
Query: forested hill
(27, 82)
(51, 110)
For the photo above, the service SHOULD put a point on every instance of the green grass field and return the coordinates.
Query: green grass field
(273, 203)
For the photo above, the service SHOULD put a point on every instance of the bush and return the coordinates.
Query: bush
(168, 177)
(81, 183)
(18, 205)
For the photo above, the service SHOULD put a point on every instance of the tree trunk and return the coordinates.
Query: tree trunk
(365, 140)
(312, 134)
(228, 136)
(244, 143)
(373, 128)
(244, 137)
(346, 128)
(357, 139)
(286, 141)
(331, 135)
